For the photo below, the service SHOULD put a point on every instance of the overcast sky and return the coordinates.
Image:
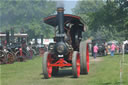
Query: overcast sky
(68, 5)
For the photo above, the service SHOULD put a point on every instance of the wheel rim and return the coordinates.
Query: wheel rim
(78, 64)
(49, 68)
(10, 58)
(87, 58)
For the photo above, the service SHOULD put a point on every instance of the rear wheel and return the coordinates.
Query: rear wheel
(3, 57)
(10, 58)
(84, 57)
(47, 69)
(76, 64)
(19, 57)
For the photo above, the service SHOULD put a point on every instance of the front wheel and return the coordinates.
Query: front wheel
(76, 64)
(47, 69)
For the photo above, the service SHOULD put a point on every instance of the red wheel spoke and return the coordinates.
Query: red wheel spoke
(49, 68)
(87, 58)
(78, 65)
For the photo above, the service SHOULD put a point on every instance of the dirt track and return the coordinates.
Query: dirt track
(97, 59)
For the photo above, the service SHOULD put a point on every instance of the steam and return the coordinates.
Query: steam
(60, 3)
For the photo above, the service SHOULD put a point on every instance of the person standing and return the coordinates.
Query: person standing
(95, 50)
(113, 47)
(109, 49)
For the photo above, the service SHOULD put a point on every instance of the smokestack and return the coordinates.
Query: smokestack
(42, 36)
(7, 37)
(60, 17)
(12, 34)
(36, 39)
(18, 39)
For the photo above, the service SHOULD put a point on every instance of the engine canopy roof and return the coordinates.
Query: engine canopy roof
(68, 18)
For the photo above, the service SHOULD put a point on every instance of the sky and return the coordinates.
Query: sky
(68, 5)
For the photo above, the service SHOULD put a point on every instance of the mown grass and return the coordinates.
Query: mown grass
(104, 72)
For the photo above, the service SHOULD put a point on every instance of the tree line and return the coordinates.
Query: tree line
(105, 18)
(27, 16)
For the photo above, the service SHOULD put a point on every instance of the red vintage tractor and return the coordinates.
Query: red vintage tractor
(68, 50)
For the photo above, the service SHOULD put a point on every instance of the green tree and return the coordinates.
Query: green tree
(26, 14)
(109, 18)
(86, 9)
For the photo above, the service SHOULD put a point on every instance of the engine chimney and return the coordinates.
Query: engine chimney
(7, 36)
(60, 18)
(12, 35)
(42, 36)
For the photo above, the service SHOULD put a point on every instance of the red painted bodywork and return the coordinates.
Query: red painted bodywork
(61, 63)
(20, 51)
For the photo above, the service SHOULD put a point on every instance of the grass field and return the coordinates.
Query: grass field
(103, 71)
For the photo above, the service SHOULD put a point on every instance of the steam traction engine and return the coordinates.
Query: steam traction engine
(68, 50)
